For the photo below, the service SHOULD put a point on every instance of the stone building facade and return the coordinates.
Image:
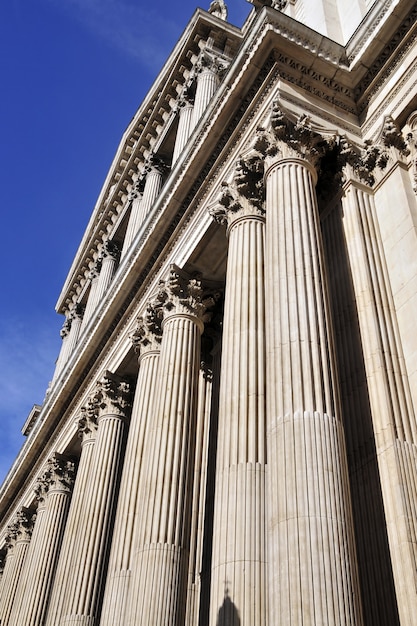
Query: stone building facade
(230, 437)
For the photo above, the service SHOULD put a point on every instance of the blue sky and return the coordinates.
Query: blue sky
(73, 73)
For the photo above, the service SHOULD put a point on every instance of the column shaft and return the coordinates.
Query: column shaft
(78, 516)
(108, 266)
(82, 594)
(239, 560)
(91, 299)
(43, 551)
(133, 223)
(391, 406)
(13, 570)
(184, 129)
(159, 584)
(130, 507)
(207, 83)
(313, 573)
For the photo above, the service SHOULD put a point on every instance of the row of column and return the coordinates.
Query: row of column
(142, 197)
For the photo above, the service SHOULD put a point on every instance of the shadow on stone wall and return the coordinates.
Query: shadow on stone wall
(228, 614)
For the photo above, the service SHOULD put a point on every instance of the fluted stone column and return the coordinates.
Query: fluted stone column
(135, 197)
(63, 354)
(151, 180)
(53, 494)
(78, 515)
(313, 571)
(111, 403)
(91, 299)
(19, 536)
(238, 587)
(389, 394)
(185, 116)
(108, 257)
(160, 575)
(207, 83)
(146, 339)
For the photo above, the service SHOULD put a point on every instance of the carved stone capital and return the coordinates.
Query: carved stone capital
(66, 327)
(59, 475)
(76, 312)
(360, 163)
(109, 249)
(112, 395)
(209, 61)
(137, 189)
(22, 527)
(148, 332)
(87, 422)
(184, 295)
(154, 163)
(245, 196)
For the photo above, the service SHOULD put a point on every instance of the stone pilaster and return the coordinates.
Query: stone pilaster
(208, 67)
(146, 339)
(313, 571)
(78, 515)
(389, 394)
(108, 258)
(160, 575)
(111, 405)
(53, 493)
(239, 555)
(18, 540)
(185, 116)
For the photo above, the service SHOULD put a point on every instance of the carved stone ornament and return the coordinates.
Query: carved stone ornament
(113, 395)
(87, 422)
(181, 294)
(279, 5)
(59, 474)
(288, 138)
(148, 332)
(244, 196)
(137, 189)
(212, 62)
(411, 138)
(219, 9)
(109, 249)
(66, 327)
(22, 527)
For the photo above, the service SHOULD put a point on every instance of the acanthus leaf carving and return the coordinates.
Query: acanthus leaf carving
(148, 332)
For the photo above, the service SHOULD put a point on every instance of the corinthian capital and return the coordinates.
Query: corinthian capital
(360, 163)
(112, 395)
(22, 527)
(244, 196)
(181, 294)
(147, 335)
(109, 249)
(59, 474)
(291, 138)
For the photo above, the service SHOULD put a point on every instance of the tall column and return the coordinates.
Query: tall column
(108, 258)
(63, 354)
(238, 588)
(18, 541)
(159, 583)
(185, 116)
(78, 515)
(146, 339)
(53, 494)
(111, 403)
(207, 83)
(135, 197)
(151, 181)
(391, 407)
(313, 571)
(91, 299)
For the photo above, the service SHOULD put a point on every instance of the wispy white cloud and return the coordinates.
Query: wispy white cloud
(136, 29)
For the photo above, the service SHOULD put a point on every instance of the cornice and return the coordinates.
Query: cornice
(144, 129)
